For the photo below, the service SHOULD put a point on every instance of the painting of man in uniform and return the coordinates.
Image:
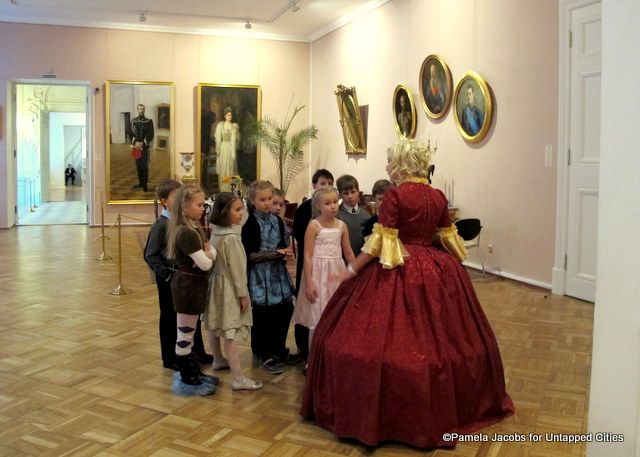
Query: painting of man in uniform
(136, 163)
(473, 107)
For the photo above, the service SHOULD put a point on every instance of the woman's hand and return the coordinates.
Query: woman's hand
(311, 293)
(245, 304)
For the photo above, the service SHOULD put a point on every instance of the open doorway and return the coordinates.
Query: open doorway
(51, 154)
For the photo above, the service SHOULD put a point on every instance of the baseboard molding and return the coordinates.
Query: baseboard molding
(504, 274)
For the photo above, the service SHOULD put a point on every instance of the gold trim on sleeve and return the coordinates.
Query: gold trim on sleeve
(451, 242)
(385, 244)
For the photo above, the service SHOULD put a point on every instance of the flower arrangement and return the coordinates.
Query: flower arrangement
(234, 180)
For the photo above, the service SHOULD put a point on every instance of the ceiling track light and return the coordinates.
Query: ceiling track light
(295, 8)
(247, 25)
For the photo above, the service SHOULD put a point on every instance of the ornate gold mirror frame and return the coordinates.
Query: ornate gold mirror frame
(351, 120)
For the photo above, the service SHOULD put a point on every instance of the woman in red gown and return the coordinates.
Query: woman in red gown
(403, 351)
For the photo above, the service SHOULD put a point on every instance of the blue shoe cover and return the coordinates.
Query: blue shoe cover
(180, 388)
(208, 379)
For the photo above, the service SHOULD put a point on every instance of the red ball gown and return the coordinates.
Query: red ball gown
(406, 353)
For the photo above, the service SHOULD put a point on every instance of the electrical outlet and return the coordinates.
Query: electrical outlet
(490, 248)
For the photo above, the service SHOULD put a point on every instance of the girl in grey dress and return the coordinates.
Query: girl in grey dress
(228, 314)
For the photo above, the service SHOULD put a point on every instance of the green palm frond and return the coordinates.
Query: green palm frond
(286, 151)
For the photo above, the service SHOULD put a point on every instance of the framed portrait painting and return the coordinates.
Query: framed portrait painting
(436, 86)
(473, 107)
(404, 111)
(164, 117)
(352, 120)
(224, 152)
(137, 159)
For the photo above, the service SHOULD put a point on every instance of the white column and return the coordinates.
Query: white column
(615, 375)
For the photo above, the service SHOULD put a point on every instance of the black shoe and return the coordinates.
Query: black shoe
(189, 369)
(290, 359)
(203, 358)
(137, 186)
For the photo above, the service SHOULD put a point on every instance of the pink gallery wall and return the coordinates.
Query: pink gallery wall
(502, 180)
(96, 55)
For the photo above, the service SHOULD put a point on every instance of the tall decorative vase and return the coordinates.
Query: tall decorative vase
(186, 160)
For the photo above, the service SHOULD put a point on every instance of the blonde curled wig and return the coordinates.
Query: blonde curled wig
(409, 159)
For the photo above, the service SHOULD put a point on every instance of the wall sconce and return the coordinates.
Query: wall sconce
(142, 17)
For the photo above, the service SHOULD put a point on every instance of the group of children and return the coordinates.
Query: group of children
(238, 281)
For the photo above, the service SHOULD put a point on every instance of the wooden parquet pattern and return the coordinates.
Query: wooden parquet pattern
(80, 370)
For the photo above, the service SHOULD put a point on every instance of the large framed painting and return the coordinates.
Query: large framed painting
(352, 120)
(473, 107)
(224, 152)
(436, 86)
(137, 159)
(404, 110)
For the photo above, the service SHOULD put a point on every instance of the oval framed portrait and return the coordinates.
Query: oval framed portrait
(473, 107)
(436, 86)
(404, 111)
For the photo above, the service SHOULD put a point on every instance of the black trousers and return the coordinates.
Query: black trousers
(168, 325)
(270, 328)
(67, 178)
(142, 168)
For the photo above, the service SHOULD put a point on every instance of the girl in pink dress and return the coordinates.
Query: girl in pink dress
(325, 242)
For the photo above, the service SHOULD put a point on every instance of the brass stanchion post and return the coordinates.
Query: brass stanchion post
(103, 255)
(102, 235)
(119, 289)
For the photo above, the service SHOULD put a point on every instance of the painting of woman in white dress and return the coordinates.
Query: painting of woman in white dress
(227, 141)
(224, 114)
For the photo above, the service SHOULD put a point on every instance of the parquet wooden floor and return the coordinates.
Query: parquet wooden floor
(80, 371)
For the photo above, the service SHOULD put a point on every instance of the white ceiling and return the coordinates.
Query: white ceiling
(270, 19)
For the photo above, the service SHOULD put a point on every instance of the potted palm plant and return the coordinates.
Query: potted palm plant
(286, 150)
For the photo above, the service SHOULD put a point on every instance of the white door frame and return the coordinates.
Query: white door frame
(558, 280)
(11, 141)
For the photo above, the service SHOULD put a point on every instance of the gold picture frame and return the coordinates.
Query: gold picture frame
(404, 112)
(436, 86)
(162, 143)
(133, 173)
(351, 120)
(245, 102)
(473, 107)
(164, 116)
